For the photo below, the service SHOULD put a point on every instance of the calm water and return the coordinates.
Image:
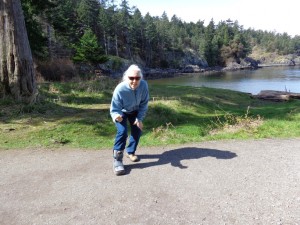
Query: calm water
(250, 81)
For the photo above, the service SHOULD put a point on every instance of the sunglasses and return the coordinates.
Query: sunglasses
(134, 78)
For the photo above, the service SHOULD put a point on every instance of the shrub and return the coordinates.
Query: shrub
(57, 70)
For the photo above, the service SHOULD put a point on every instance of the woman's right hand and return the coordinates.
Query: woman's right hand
(119, 118)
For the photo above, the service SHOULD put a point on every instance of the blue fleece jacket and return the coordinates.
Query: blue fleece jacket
(127, 100)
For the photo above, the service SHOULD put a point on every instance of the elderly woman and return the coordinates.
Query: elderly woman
(129, 103)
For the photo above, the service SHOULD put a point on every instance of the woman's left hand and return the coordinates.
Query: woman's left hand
(139, 124)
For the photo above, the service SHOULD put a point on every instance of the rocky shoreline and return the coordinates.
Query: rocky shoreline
(168, 73)
(192, 66)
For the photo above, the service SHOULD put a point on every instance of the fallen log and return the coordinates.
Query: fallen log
(276, 95)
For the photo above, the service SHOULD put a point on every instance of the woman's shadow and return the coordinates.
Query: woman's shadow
(175, 156)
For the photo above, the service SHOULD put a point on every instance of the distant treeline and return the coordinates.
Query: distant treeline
(98, 29)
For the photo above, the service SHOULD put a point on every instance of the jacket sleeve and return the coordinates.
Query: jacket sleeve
(143, 107)
(116, 105)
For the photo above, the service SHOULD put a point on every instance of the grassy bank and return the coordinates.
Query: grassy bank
(76, 115)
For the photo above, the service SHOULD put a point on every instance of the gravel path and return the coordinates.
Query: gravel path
(223, 182)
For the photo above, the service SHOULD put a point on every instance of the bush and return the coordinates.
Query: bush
(56, 70)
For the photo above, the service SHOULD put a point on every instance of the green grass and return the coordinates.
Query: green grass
(76, 115)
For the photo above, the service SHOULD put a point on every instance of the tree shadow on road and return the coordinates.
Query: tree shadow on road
(175, 156)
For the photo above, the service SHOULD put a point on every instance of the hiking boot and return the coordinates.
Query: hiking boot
(132, 157)
(118, 163)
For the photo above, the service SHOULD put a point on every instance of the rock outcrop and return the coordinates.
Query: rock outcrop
(276, 95)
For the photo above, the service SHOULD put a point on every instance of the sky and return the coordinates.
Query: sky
(266, 15)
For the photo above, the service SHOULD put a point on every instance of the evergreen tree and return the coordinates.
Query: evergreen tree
(124, 23)
(115, 25)
(163, 26)
(150, 37)
(176, 33)
(137, 30)
(105, 24)
(88, 11)
(33, 11)
(88, 49)
(210, 44)
(64, 19)
(296, 44)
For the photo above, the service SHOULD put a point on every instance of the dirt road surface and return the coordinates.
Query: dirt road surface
(223, 182)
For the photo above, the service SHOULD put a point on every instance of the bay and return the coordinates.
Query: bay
(284, 78)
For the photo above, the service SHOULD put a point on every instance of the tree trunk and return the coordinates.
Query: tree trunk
(17, 75)
(105, 43)
(116, 45)
(50, 47)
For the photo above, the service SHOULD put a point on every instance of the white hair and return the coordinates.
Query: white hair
(129, 71)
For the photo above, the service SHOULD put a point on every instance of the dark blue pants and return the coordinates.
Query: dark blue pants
(122, 134)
